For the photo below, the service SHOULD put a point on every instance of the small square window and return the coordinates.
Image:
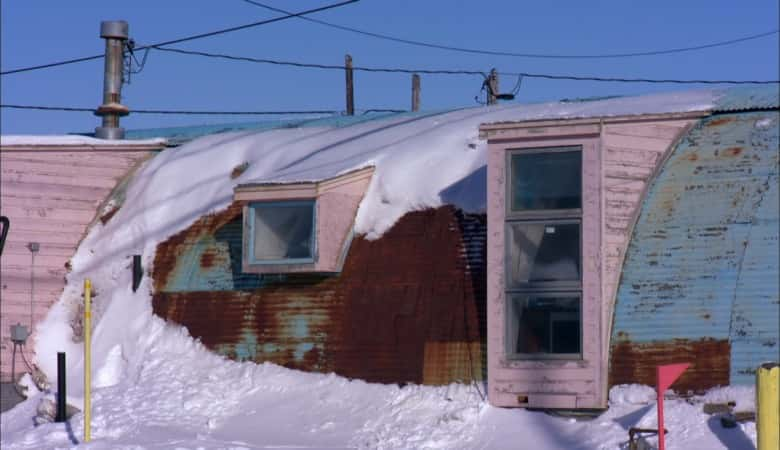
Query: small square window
(544, 325)
(544, 253)
(546, 180)
(282, 232)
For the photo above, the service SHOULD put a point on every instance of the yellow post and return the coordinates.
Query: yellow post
(87, 359)
(768, 406)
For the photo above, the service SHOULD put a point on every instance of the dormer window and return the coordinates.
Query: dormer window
(300, 226)
(282, 232)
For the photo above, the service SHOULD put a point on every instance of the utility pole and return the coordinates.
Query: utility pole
(350, 86)
(415, 92)
(492, 83)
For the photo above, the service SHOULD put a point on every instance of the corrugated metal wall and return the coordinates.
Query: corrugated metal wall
(50, 197)
(700, 278)
(408, 307)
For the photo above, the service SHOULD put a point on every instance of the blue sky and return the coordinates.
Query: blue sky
(42, 31)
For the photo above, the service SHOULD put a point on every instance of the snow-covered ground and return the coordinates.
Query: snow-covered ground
(183, 397)
(156, 387)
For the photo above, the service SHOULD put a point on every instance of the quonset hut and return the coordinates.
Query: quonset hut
(549, 249)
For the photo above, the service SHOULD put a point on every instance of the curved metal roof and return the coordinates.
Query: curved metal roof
(703, 259)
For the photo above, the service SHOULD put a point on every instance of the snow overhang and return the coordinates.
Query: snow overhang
(570, 127)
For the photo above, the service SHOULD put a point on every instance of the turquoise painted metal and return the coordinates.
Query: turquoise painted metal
(703, 259)
(746, 98)
(181, 135)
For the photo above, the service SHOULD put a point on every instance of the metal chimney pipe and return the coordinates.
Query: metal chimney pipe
(115, 32)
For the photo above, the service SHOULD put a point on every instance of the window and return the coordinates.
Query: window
(282, 232)
(543, 253)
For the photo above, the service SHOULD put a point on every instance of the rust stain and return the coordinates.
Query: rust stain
(406, 308)
(166, 257)
(719, 122)
(207, 260)
(732, 151)
(636, 362)
(447, 360)
(107, 216)
(693, 156)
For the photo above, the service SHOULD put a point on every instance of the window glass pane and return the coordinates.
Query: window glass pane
(544, 324)
(549, 180)
(542, 252)
(283, 231)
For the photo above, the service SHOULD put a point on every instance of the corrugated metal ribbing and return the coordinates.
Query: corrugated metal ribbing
(408, 307)
(748, 97)
(703, 260)
(755, 323)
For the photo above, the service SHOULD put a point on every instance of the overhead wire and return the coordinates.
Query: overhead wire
(319, 66)
(187, 38)
(178, 112)
(450, 71)
(516, 54)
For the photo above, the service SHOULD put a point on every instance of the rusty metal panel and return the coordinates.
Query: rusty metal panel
(703, 259)
(636, 363)
(404, 308)
(447, 361)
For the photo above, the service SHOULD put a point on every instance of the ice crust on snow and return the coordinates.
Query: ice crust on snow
(157, 387)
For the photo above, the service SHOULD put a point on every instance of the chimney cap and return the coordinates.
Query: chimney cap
(114, 29)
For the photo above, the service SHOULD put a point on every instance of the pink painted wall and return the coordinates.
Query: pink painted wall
(619, 159)
(51, 197)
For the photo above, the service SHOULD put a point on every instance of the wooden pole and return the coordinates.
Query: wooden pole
(492, 87)
(350, 91)
(415, 92)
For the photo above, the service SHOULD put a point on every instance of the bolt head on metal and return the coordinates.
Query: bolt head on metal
(114, 29)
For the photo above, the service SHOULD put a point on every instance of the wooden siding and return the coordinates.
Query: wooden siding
(51, 197)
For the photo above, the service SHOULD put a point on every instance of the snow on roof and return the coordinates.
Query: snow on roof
(74, 140)
(421, 160)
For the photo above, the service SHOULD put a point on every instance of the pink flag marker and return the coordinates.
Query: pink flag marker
(666, 375)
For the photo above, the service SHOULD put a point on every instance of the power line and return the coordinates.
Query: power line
(453, 71)
(318, 66)
(634, 80)
(187, 38)
(181, 112)
(520, 55)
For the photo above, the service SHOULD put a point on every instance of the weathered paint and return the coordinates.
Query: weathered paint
(51, 196)
(405, 308)
(620, 156)
(703, 259)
